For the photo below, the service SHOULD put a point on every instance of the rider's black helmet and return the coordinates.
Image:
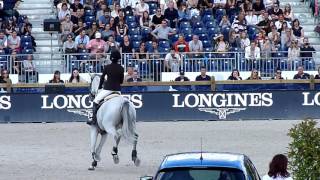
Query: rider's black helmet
(115, 55)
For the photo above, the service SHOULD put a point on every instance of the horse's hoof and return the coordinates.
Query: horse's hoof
(91, 168)
(137, 162)
(115, 159)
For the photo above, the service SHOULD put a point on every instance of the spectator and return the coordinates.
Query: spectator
(27, 32)
(318, 75)
(5, 79)
(181, 45)
(103, 9)
(3, 42)
(184, 13)
(119, 18)
(275, 11)
(280, 22)
(115, 12)
(75, 77)
(135, 77)
(288, 14)
(145, 21)
(10, 26)
(23, 26)
(231, 6)
(301, 74)
(128, 4)
(112, 24)
(268, 4)
(306, 51)
(56, 78)
(203, 75)
(126, 46)
(93, 30)
(111, 44)
(224, 23)
(77, 6)
(107, 32)
(220, 44)
(196, 47)
(246, 6)
(129, 74)
(293, 53)
(286, 37)
(76, 17)
(192, 4)
(30, 70)
(78, 28)
(235, 75)
(10, 8)
(142, 54)
(264, 21)
(14, 41)
(182, 77)
(157, 19)
(251, 18)
(66, 28)
(163, 31)
(252, 52)
(278, 168)
(155, 54)
(165, 3)
(266, 48)
(278, 74)
(96, 46)
(234, 39)
(82, 40)
(258, 7)
(104, 19)
(171, 14)
(297, 30)
(219, 4)
(121, 28)
(172, 61)
(64, 12)
(141, 8)
(254, 75)
(239, 24)
(274, 36)
(59, 6)
(69, 46)
(244, 40)
(16, 63)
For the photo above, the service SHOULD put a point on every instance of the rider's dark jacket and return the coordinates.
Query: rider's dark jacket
(115, 76)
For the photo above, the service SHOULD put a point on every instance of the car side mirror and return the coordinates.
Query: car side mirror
(146, 178)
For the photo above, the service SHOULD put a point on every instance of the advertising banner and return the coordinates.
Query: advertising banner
(167, 106)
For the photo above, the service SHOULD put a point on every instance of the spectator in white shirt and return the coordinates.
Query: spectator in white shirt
(252, 52)
(172, 61)
(141, 7)
(251, 18)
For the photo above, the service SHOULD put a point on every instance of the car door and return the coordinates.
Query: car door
(252, 172)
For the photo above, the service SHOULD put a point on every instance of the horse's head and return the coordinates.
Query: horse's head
(94, 85)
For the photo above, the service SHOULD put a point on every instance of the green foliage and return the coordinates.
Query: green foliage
(304, 150)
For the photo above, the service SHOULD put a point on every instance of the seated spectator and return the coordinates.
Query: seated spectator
(63, 12)
(235, 75)
(9, 26)
(220, 44)
(246, 6)
(224, 23)
(5, 79)
(182, 78)
(244, 40)
(76, 17)
(251, 18)
(10, 8)
(145, 21)
(23, 25)
(119, 18)
(231, 6)
(278, 168)
(96, 46)
(121, 28)
(281, 21)
(234, 39)
(275, 11)
(69, 46)
(142, 54)
(219, 4)
(196, 47)
(306, 51)
(239, 24)
(129, 74)
(274, 36)
(126, 46)
(264, 21)
(82, 40)
(171, 14)
(56, 78)
(266, 48)
(14, 41)
(78, 28)
(93, 30)
(301, 74)
(268, 4)
(17, 63)
(258, 7)
(252, 52)
(164, 4)
(3, 42)
(293, 53)
(184, 13)
(103, 9)
(181, 45)
(111, 44)
(254, 75)
(104, 19)
(157, 19)
(115, 12)
(107, 32)
(155, 54)
(172, 61)
(112, 24)
(135, 77)
(75, 77)
(286, 37)
(128, 5)
(77, 6)
(162, 32)
(141, 8)
(59, 6)
(192, 4)
(203, 75)
(30, 73)
(288, 13)
(66, 28)
(278, 74)
(318, 75)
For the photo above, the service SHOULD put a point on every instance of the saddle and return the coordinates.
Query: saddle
(107, 98)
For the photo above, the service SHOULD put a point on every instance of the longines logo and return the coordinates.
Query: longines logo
(223, 104)
(5, 102)
(80, 104)
(311, 101)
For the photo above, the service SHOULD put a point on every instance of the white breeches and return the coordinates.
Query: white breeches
(102, 94)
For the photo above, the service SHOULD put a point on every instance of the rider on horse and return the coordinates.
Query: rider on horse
(115, 76)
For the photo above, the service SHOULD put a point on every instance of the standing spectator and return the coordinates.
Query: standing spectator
(121, 28)
(16, 64)
(141, 8)
(196, 46)
(5, 79)
(30, 70)
(56, 78)
(64, 12)
(96, 46)
(10, 8)
(181, 45)
(163, 31)
(254, 75)
(274, 36)
(297, 30)
(306, 51)
(155, 54)
(69, 46)
(172, 61)
(171, 14)
(278, 169)
(288, 14)
(145, 20)
(75, 77)
(110, 45)
(301, 74)
(14, 41)
(235, 75)
(107, 32)
(266, 48)
(66, 28)
(224, 23)
(157, 19)
(129, 74)
(203, 75)
(252, 52)
(286, 39)
(82, 40)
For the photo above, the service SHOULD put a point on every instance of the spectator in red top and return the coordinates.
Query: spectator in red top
(181, 45)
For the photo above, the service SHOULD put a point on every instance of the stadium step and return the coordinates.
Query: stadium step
(40, 11)
(41, 16)
(46, 42)
(37, 5)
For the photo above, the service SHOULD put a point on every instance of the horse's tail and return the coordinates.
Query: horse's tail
(129, 122)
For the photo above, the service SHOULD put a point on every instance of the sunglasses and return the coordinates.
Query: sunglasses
(278, 72)
(255, 72)
(69, 37)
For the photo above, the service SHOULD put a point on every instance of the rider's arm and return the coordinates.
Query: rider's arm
(102, 78)
(122, 76)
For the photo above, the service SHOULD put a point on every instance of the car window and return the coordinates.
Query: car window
(201, 174)
(251, 170)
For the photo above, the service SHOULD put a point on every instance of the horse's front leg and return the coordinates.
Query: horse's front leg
(114, 152)
(93, 141)
(134, 154)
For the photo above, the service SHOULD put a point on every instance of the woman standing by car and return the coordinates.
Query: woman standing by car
(278, 169)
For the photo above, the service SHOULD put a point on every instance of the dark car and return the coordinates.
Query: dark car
(205, 166)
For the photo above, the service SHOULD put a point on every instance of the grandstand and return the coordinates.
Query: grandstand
(185, 19)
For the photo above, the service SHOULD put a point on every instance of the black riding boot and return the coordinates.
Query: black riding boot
(93, 119)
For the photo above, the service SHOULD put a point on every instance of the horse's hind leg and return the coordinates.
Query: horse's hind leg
(134, 154)
(93, 141)
(114, 152)
(99, 148)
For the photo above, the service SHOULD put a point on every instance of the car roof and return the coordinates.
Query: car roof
(210, 159)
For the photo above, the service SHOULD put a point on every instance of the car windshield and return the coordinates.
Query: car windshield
(201, 174)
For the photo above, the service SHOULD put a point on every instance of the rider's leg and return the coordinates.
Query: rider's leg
(99, 97)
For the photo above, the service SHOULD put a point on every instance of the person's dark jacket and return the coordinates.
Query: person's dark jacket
(233, 78)
(303, 76)
(200, 78)
(115, 76)
(134, 80)
(317, 76)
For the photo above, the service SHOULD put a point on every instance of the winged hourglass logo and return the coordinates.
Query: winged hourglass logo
(221, 112)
